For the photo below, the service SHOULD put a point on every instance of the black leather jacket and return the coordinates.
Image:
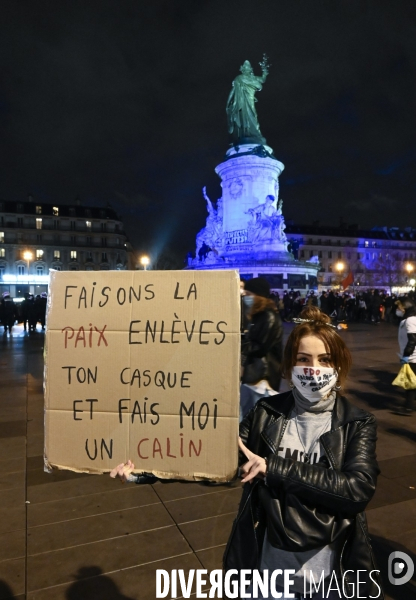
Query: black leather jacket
(306, 506)
(262, 349)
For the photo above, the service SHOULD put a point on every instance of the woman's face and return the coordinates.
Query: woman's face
(312, 353)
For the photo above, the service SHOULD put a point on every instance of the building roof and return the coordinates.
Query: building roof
(379, 233)
(65, 210)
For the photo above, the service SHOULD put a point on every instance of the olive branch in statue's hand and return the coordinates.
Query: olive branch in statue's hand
(264, 63)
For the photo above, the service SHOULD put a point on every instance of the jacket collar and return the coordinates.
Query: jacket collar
(344, 411)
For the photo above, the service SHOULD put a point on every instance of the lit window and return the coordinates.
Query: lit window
(374, 244)
(73, 255)
(57, 254)
(38, 223)
(39, 270)
(55, 211)
(366, 244)
(1, 237)
(2, 253)
(88, 224)
(38, 210)
(39, 254)
(21, 270)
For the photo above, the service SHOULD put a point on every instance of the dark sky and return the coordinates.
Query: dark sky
(124, 102)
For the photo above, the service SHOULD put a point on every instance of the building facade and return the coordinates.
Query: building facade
(36, 236)
(383, 257)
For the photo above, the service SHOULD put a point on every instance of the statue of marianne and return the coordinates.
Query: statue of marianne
(241, 112)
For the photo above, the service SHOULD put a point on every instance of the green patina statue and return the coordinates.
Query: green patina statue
(241, 113)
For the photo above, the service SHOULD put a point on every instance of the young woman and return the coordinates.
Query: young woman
(309, 468)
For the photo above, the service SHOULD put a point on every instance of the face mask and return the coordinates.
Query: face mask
(248, 301)
(399, 313)
(314, 383)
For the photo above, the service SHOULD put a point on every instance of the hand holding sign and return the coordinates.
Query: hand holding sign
(255, 467)
(123, 470)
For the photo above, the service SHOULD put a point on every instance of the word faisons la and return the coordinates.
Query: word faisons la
(164, 332)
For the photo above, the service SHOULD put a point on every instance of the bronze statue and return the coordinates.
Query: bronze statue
(241, 112)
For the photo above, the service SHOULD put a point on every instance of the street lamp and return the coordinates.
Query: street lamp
(27, 255)
(409, 268)
(144, 260)
(339, 268)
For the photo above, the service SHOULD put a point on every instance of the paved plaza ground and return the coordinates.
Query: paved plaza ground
(81, 537)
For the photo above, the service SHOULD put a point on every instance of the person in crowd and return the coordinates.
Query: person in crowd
(375, 303)
(8, 312)
(312, 300)
(42, 309)
(261, 350)
(24, 310)
(309, 469)
(323, 302)
(32, 313)
(331, 303)
(406, 311)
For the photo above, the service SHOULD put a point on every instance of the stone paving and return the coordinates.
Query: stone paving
(82, 537)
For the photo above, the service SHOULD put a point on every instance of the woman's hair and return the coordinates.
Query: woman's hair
(319, 325)
(260, 304)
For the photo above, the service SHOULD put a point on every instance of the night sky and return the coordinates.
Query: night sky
(124, 102)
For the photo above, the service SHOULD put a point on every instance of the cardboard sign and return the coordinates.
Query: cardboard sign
(143, 365)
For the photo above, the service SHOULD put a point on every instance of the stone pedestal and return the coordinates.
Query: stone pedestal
(245, 231)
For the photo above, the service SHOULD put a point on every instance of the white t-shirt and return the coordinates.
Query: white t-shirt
(310, 426)
(407, 326)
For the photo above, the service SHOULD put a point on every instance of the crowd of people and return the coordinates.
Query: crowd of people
(30, 311)
(370, 306)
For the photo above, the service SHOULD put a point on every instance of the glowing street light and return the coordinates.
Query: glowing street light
(409, 268)
(144, 260)
(27, 255)
(340, 267)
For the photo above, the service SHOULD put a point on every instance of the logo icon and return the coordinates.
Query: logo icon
(400, 568)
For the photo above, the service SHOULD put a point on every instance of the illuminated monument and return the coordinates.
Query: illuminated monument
(245, 230)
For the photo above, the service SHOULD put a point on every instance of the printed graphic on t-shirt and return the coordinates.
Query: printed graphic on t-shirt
(298, 454)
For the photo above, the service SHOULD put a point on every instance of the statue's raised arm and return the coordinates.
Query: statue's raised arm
(241, 113)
